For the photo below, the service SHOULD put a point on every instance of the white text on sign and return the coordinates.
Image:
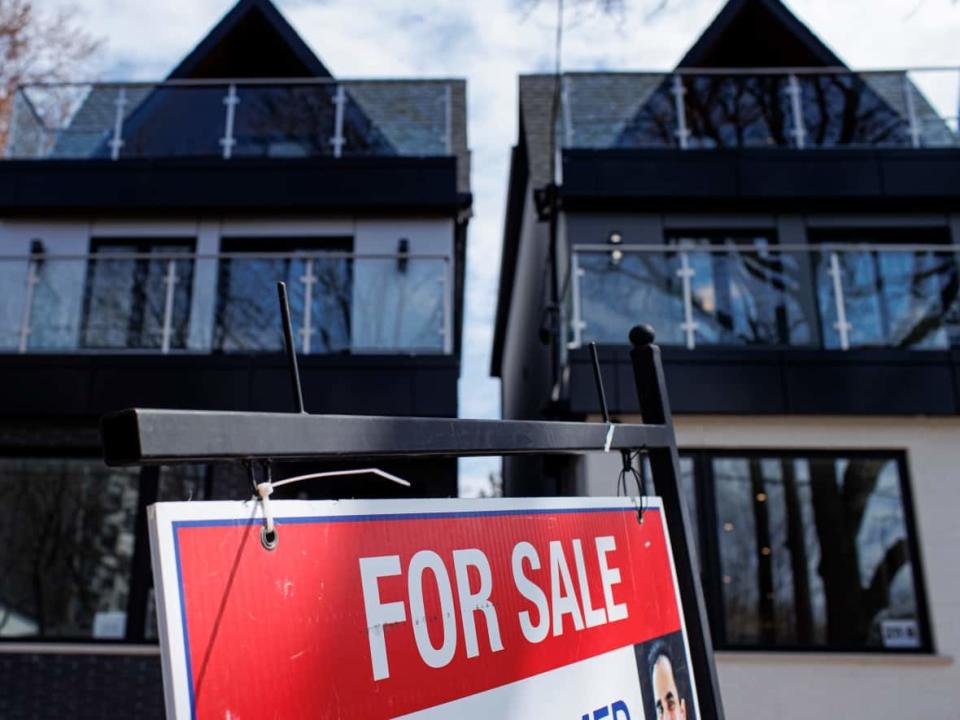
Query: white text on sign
(563, 603)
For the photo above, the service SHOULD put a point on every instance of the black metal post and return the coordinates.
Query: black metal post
(665, 463)
(140, 578)
(291, 348)
(599, 380)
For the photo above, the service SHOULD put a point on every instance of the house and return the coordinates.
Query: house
(789, 227)
(143, 229)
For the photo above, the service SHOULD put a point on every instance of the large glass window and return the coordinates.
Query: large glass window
(890, 295)
(319, 279)
(66, 547)
(137, 295)
(743, 291)
(810, 551)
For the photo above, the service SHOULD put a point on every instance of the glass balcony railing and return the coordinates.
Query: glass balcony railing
(166, 302)
(764, 108)
(833, 296)
(296, 118)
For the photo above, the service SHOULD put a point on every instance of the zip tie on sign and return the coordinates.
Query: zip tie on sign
(337, 473)
(268, 533)
(609, 441)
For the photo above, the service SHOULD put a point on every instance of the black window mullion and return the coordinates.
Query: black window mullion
(916, 565)
(711, 569)
(140, 574)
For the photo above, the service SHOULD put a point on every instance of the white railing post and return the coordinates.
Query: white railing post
(565, 117)
(338, 141)
(14, 121)
(799, 131)
(308, 279)
(231, 100)
(26, 316)
(170, 281)
(116, 142)
(689, 325)
(577, 323)
(911, 106)
(843, 327)
(678, 91)
(447, 324)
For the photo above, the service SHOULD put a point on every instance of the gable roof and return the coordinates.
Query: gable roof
(758, 33)
(257, 24)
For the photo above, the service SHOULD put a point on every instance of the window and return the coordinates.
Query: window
(743, 292)
(72, 565)
(809, 550)
(891, 296)
(137, 295)
(66, 547)
(319, 278)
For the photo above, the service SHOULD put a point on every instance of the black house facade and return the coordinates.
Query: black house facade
(143, 229)
(790, 229)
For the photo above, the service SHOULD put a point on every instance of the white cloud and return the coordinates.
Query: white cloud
(490, 43)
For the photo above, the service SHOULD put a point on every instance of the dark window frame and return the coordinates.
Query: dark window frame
(709, 548)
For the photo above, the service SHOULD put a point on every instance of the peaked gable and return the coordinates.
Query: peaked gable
(758, 33)
(252, 40)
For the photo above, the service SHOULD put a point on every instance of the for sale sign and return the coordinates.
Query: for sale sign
(540, 608)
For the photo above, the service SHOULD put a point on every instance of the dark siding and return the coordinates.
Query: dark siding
(778, 382)
(396, 184)
(755, 180)
(80, 687)
(64, 386)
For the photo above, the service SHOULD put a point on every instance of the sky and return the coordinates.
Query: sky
(491, 42)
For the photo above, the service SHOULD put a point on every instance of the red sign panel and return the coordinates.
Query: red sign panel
(422, 609)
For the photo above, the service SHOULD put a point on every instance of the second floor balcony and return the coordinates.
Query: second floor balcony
(167, 299)
(239, 119)
(751, 293)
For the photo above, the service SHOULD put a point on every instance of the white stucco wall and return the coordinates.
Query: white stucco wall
(795, 686)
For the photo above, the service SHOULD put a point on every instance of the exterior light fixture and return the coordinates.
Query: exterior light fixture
(403, 251)
(616, 254)
(37, 251)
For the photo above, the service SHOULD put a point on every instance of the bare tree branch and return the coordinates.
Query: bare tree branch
(39, 46)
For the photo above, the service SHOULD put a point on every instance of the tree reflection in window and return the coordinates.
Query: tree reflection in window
(813, 551)
(66, 544)
(247, 318)
(125, 297)
(736, 111)
(892, 297)
(743, 292)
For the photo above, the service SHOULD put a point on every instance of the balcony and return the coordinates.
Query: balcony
(826, 296)
(238, 119)
(173, 301)
(820, 108)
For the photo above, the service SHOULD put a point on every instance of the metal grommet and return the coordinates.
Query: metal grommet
(269, 538)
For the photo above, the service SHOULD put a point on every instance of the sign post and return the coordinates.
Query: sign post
(561, 607)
